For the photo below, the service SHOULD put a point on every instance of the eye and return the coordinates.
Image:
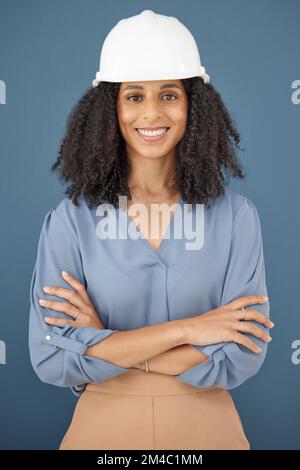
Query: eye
(174, 96)
(138, 96)
(132, 96)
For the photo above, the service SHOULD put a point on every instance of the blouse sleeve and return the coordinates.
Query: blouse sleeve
(57, 353)
(229, 364)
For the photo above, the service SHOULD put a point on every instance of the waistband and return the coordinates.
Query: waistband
(139, 382)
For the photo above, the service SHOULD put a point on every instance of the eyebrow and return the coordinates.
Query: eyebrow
(165, 85)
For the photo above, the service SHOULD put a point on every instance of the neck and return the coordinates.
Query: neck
(151, 176)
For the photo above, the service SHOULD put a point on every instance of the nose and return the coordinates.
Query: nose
(151, 110)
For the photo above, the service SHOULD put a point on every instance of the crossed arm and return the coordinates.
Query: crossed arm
(164, 345)
(172, 361)
(70, 356)
(175, 360)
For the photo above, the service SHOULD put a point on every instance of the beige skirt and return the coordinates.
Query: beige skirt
(139, 410)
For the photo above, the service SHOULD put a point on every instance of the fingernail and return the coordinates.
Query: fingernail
(64, 273)
(266, 297)
(258, 349)
(269, 338)
(272, 324)
(47, 318)
(46, 288)
(42, 301)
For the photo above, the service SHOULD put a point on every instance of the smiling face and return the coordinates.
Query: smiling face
(159, 104)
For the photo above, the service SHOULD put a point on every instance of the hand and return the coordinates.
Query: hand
(139, 366)
(79, 305)
(225, 323)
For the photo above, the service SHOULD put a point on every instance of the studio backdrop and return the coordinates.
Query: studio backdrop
(49, 53)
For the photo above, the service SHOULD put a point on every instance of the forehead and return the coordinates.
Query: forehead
(151, 84)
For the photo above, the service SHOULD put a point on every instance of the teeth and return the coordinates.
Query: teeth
(153, 133)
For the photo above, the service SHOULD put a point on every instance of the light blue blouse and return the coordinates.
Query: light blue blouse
(132, 286)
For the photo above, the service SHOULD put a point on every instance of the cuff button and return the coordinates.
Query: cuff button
(48, 337)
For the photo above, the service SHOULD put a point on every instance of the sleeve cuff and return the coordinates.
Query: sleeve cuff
(79, 339)
(209, 349)
(64, 342)
(203, 375)
(97, 370)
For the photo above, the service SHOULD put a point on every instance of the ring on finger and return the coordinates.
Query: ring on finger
(244, 313)
(74, 318)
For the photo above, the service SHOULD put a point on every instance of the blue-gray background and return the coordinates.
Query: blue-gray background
(49, 54)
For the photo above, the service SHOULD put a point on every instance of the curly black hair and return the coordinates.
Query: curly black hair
(92, 155)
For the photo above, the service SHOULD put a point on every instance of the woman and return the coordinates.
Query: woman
(150, 331)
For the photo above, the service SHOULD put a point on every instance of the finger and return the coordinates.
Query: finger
(252, 314)
(245, 341)
(72, 296)
(247, 300)
(78, 286)
(253, 330)
(64, 307)
(59, 321)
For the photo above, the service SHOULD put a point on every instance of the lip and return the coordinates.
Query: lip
(152, 138)
(152, 128)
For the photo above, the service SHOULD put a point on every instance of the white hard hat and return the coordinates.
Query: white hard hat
(149, 46)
